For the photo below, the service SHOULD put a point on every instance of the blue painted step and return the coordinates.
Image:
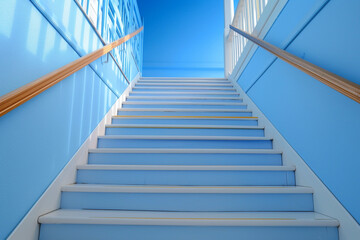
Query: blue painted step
(184, 105)
(179, 198)
(220, 85)
(184, 94)
(185, 120)
(184, 112)
(186, 175)
(184, 157)
(191, 130)
(211, 142)
(185, 89)
(187, 99)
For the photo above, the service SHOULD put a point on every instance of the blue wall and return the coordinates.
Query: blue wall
(39, 138)
(183, 38)
(321, 124)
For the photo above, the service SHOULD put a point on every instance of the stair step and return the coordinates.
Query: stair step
(184, 105)
(171, 129)
(186, 198)
(185, 98)
(185, 156)
(134, 225)
(182, 78)
(187, 94)
(146, 84)
(208, 120)
(184, 81)
(184, 112)
(186, 175)
(160, 141)
(185, 89)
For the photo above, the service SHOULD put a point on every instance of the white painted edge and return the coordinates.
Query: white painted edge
(270, 14)
(181, 126)
(28, 228)
(167, 137)
(324, 201)
(180, 110)
(185, 168)
(184, 189)
(184, 81)
(180, 78)
(188, 88)
(184, 103)
(186, 84)
(188, 93)
(179, 117)
(184, 97)
(186, 150)
(75, 216)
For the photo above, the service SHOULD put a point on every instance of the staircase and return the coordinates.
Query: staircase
(185, 159)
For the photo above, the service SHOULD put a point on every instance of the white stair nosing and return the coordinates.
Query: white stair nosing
(181, 78)
(189, 93)
(185, 167)
(184, 117)
(188, 151)
(117, 217)
(185, 189)
(184, 97)
(174, 137)
(188, 88)
(182, 126)
(186, 84)
(183, 103)
(180, 110)
(185, 81)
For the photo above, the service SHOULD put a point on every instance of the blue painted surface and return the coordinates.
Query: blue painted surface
(321, 124)
(179, 35)
(40, 137)
(95, 232)
(171, 143)
(188, 178)
(185, 159)
(242, 122)
(188, 201)
(185, 131)
(185, 113)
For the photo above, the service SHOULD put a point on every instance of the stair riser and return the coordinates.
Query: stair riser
(187, 178)
(185, 159)
(183, 82)
(190, 106)
(206, 85)
(186, 100)
(188, 94)
(239, 122)
(137, 232)
(185, 132)
(183, 113)
(190, 144)
(187, 201)
(187, 89)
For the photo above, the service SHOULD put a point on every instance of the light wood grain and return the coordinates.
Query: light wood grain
(340, 84)
(23, 94)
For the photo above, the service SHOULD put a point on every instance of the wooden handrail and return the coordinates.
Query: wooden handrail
(22, 94)
(340, 84)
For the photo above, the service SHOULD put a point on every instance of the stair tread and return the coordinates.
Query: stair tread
(184, 150)
(180, 126)
(168, 137)
(185, 117)
(186, 167)
(117, 217)
(185, 189)
(183, 103)
(180, 110)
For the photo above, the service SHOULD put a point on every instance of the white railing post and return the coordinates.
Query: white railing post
(228, 17)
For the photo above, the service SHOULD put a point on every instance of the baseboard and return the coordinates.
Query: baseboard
(324, 201)
(28, 228)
